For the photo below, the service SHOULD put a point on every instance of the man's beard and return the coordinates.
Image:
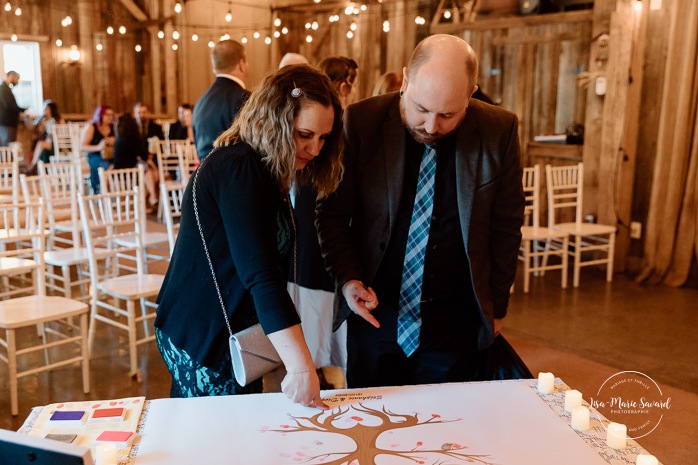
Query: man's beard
(420, 135)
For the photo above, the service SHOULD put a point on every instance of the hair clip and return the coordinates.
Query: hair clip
(296, 92)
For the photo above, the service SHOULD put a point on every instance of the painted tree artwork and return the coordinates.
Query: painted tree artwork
(375, 440)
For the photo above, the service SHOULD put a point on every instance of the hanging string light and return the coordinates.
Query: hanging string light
(99, 46)
(353, 26)
(309, 38)
(13, 38)
(18, 11)
(314, 26)
(447, 14)
(243, 40)
(8, 6)
(277, 22)
(267, 40)
(350, 34)
(122, 30)
(229, 14)
(175, 34)
(284, 30)
(211, 44)
(138, 48)
(161, 34)
(175, 47)
(110, 30)
(195, 37)
(178, 8)
(386, 26)
(256, 34)
(59, 43)
(277, 34)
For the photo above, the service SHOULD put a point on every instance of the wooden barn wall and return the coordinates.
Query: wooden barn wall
(532, 71)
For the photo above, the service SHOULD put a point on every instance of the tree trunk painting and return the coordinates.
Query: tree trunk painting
(365, 434)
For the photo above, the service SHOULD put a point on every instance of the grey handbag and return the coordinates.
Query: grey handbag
(251, 352)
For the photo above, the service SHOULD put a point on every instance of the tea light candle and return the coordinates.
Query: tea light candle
(105, 454)
(546, 383)
(573, 399)
(616, 435)
(646, 459)
(580, 418)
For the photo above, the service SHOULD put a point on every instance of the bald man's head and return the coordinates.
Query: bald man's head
(437, 85)
(446, 53)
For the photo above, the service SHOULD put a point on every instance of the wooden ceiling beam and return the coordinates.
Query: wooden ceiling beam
(135, 11)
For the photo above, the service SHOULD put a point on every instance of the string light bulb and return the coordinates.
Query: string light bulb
(243, 40)
(175, 35)
(122, 30)
(59, 43)
(229, 14)
(277, 34)
(386, 26)
(74, 53)
(99, 47)
(67, 21)
(256, 34)
(353, 26)
(211, 44)
(348, 10)
(447, 14)
(284, 30)
(178, 7)
(194, 37)
(110, 30)
(308, 38)
(138, 48)
(267, 40)
(314, 26)
(161, 34)
(364, 7)
(175, 47)
(13, 38)
(277, 22)
(638, 5)
(18, 11)
(308, 25)
(8, 6)
(350, 34)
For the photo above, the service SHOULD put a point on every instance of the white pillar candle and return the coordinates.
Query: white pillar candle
(106, 454)
(616, 435)
(645, 459)
(580, 418)
(546, 383)
(573, 399)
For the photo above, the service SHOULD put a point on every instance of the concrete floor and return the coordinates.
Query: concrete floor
(581, 335)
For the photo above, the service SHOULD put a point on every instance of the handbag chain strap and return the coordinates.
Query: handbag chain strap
(208, 255)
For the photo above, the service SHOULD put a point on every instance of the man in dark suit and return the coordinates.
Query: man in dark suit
(424, 321)
(215, 111)
(147, 128)
(9, 110)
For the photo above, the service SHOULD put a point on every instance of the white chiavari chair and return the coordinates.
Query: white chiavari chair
(535, 239)
(107, 220)
(592, 243)
(125, 179)
(23, 235)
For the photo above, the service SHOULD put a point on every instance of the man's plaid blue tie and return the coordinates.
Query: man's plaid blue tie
(409, 320)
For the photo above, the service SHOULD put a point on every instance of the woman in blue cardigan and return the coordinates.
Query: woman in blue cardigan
(290, 130)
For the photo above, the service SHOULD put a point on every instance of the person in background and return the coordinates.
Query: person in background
(9, 110)
(292, 59)
(288, 131)
(97, 136)
(423, 233)
(127, 144)
(388, 82)
(216, 109)
(342, 72)
(182, 128)
(43, 129)
(147, 129)
(314, 284)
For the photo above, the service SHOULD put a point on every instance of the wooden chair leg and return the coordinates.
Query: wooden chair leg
(85, 354)
(577, 260)
(565, 260)
(527, 267)
(611, 253)
(12, 369)
(132, 347)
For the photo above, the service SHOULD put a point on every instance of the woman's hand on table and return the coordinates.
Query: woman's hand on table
(303, 387)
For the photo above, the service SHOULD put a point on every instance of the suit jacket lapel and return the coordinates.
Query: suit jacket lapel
(468, 159)
(394, 152)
